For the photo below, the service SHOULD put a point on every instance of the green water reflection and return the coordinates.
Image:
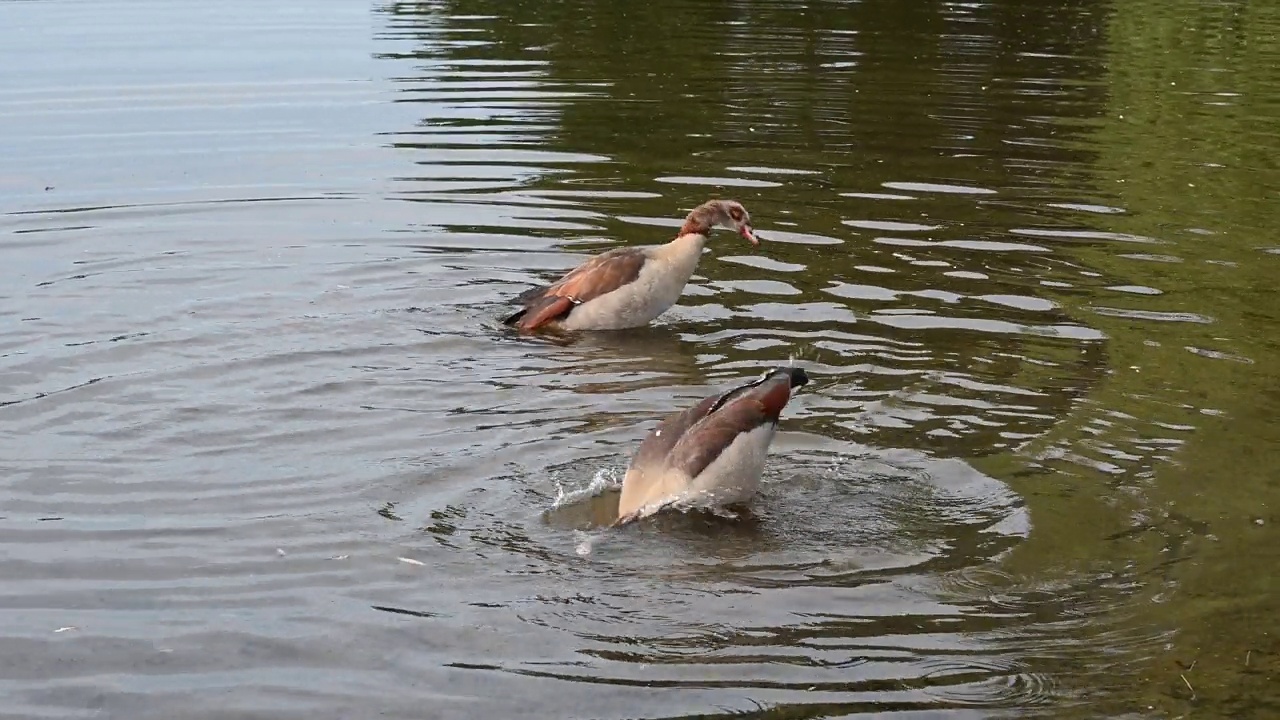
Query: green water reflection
(1187, 147)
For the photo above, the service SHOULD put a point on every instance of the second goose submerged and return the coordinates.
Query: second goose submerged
(713, 453)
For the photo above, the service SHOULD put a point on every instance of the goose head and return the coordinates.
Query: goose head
(728, 214)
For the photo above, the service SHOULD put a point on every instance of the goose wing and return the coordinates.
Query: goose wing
(598, 276)
(738, 411)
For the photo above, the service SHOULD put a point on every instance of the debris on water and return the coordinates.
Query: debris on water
(280, 552)
(73, 627)
(586, 543)
(339, 557)
(411, 561)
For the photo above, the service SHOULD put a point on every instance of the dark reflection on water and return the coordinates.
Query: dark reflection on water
(267, 450)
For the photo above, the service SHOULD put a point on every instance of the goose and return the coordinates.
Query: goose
(629, 287)
(713, 452)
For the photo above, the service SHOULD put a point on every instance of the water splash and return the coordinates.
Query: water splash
(605, 478)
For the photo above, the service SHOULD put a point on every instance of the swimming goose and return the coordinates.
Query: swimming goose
(713, 452)
(629, 287)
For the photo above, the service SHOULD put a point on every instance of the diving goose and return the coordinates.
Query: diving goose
(629, 287)
(712, 453)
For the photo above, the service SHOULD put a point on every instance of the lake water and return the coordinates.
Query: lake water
(266, 450)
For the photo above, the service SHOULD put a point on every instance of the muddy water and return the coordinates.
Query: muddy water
(266, 451)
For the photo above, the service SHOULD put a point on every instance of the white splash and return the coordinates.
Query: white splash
(604, 479)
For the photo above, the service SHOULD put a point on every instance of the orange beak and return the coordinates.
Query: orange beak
(749, 235)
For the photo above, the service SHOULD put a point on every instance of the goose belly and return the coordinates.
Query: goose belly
(734, 476)
(637, 303)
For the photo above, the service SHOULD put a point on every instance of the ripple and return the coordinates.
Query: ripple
(1085, 207)
(718, 181)
(1032, 304)
(890, 225)
(1219, 355)
(924, 322)
(799, 238)
(773, 170)
(1135, 289)
(1151, 258)
(763, 263)
(862, 292)
(759, 287)
(785, 646)
(1086, 235)
(1186, 317)
(986, 245)
(588, 194)
(938, 188)
(877, 196)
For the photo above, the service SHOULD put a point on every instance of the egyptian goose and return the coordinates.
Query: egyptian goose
(711, 454)
(629, 287)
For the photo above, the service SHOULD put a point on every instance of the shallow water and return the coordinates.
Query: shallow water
(267, 450)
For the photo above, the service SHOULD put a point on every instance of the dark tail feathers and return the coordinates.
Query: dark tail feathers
(528, 299)
(797, 374)
(513, 318)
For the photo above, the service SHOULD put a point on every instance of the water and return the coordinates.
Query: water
(267, 451)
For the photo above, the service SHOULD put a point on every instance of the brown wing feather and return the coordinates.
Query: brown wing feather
(644, 474)
(601, 274)
(653, 450)
(598, 276)
(704, 442)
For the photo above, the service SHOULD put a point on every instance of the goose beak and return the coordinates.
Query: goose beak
(749, 235)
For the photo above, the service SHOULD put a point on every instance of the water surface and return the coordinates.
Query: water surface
(267, 450)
